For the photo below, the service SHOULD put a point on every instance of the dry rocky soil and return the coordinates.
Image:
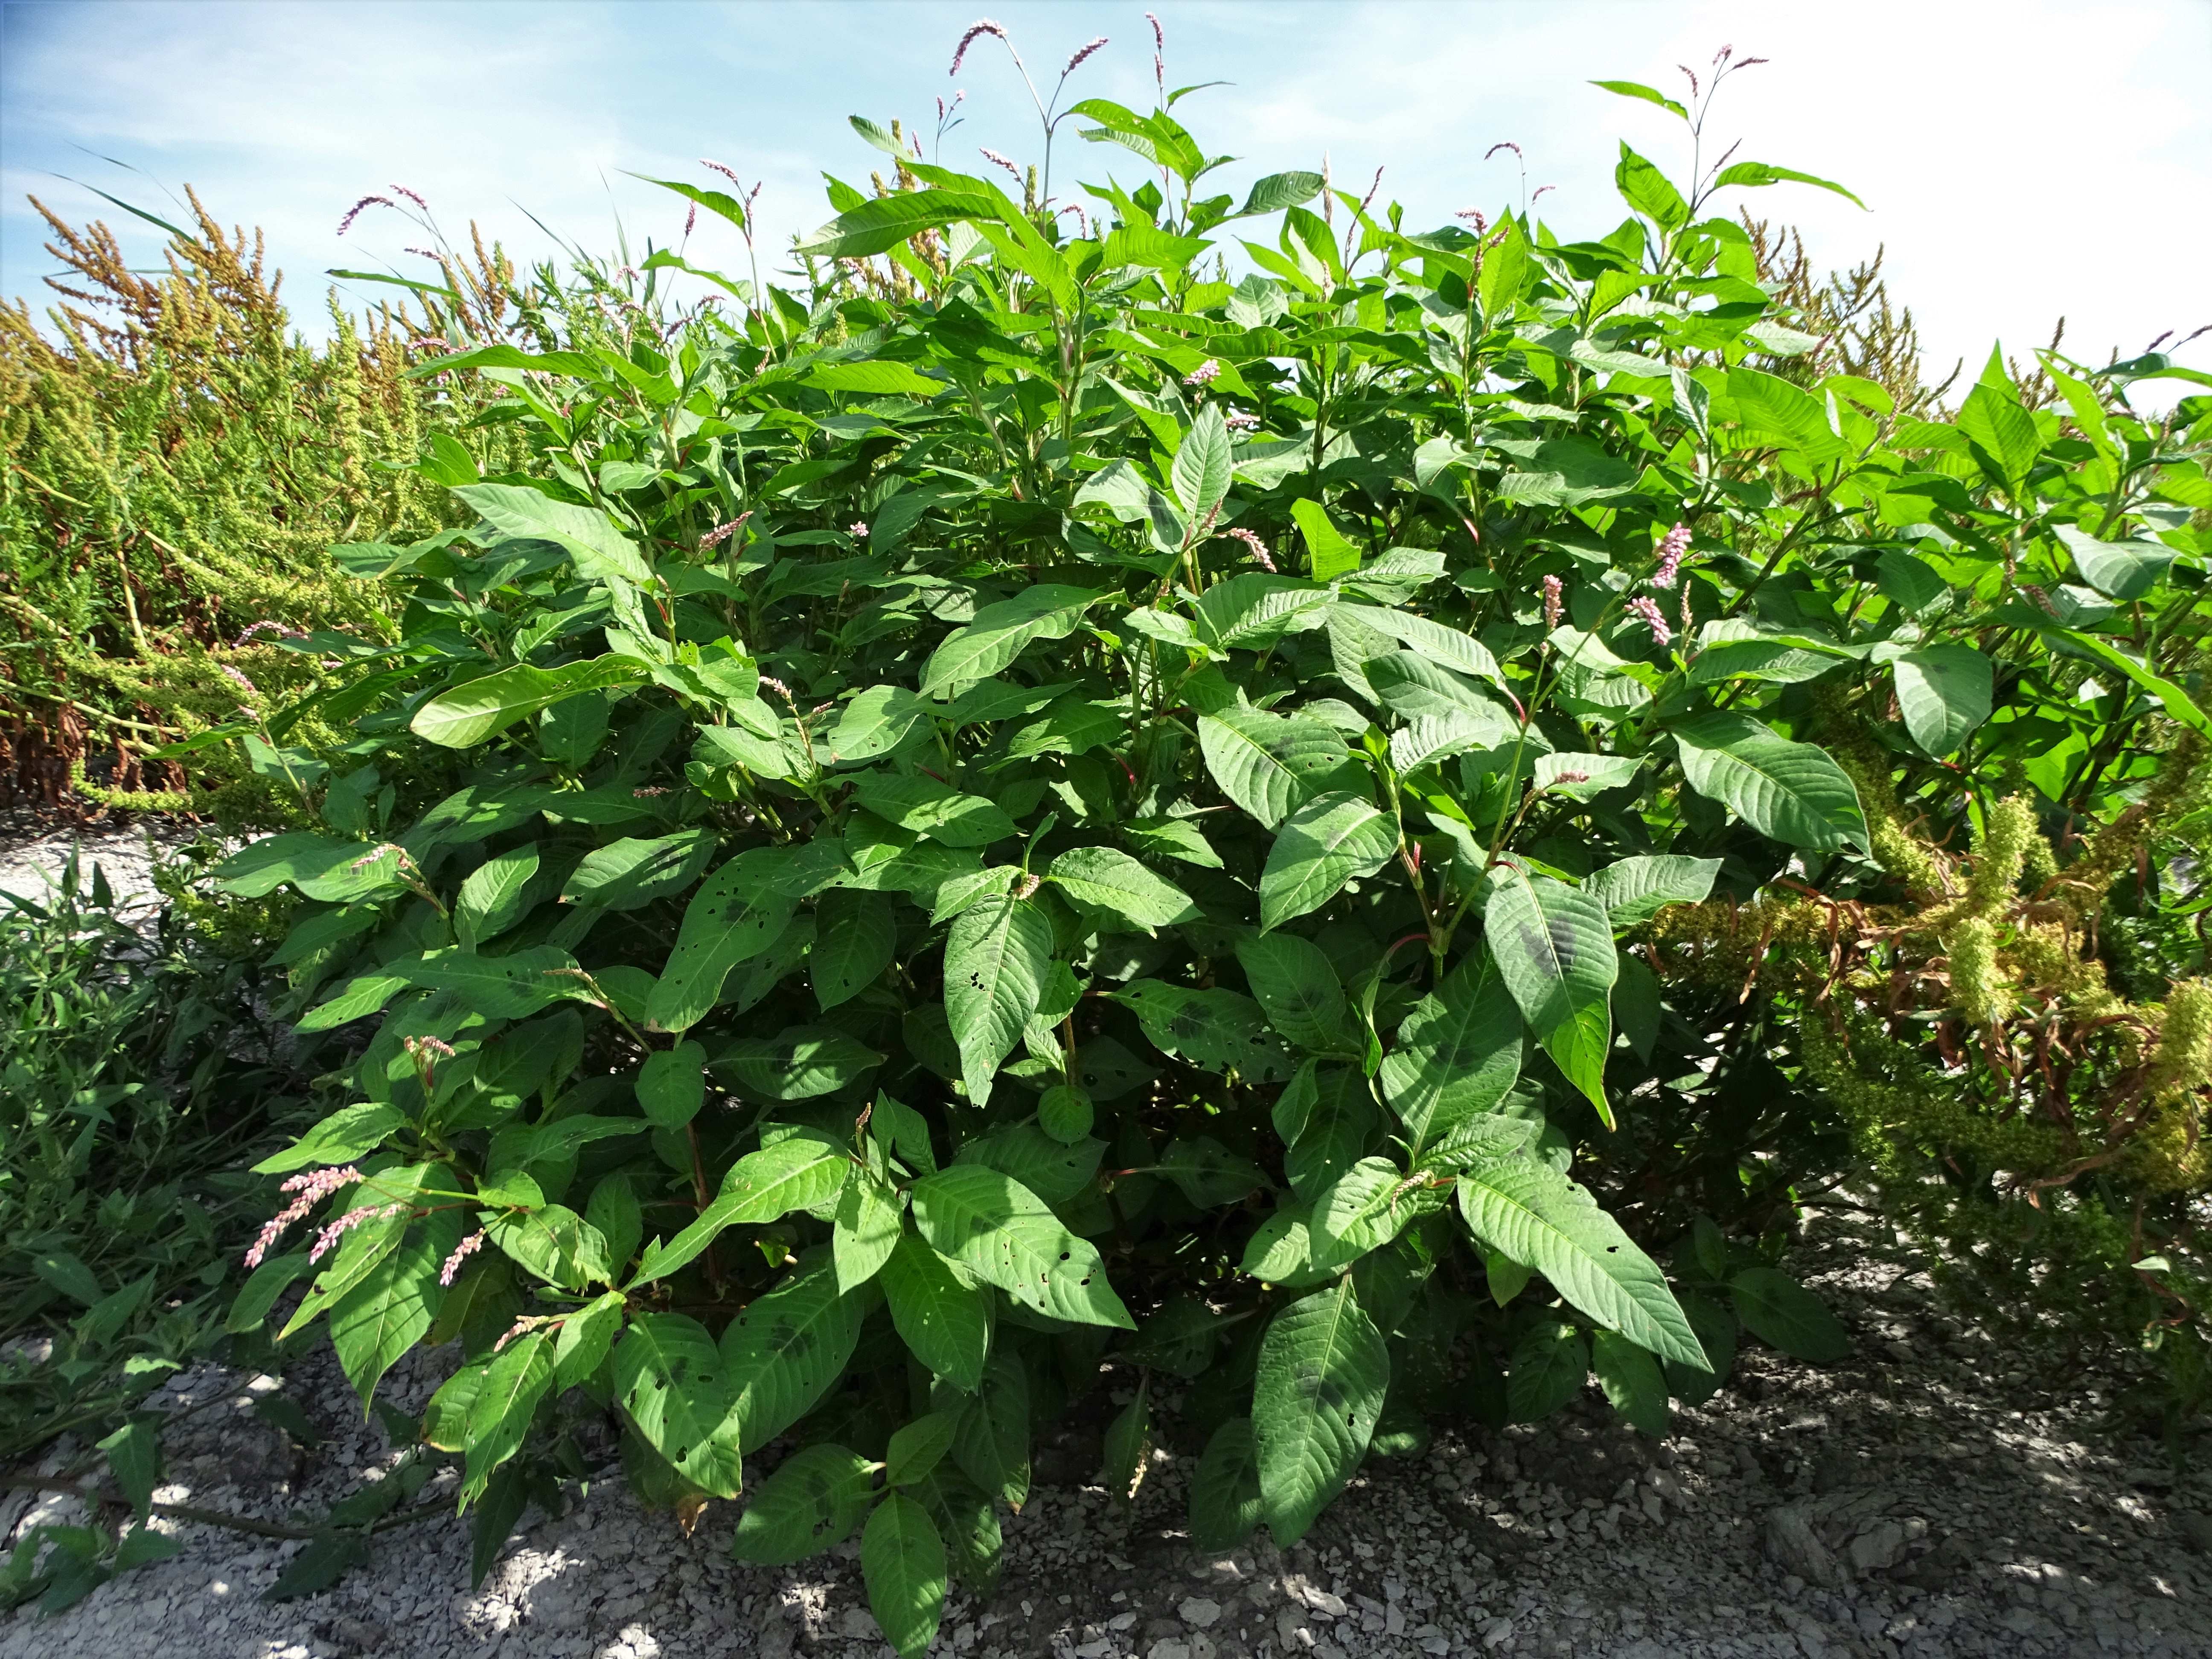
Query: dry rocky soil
(1935, 1495)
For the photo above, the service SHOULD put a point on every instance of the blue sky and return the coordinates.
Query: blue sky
(2020, 159)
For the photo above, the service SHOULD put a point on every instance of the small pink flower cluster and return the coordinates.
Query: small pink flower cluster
(779, 687)
(982, 25)
(1259, 547)
(327, 1239)
(994, 156)
(462, 1251)
(1648, 610)
(1570, 777)
(1030, 884)
(648, 791)
(722, 532)
(1082, 52)
(402, 190)
(1672, 547)
(307, 1190)
(858, 530)
(354, 211)
(1555, 601)
(282, 630)
(1242, 421)
(1204, 374)
(237, 680)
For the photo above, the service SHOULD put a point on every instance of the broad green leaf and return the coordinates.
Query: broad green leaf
(1551, 1363)
(671, 1085)
(134, 1458)
(1007, 1236)
(1173, 838)
(1756, 174)
(626, 875)
(1269, 764)
(597, 544)
(555, 1243)
(670, 1380)
(867, 1228)
(1105, 879)
(1635, 889)
(1364, 1208)
(1776, 1309)
(1128, 1447)
(1216, 1029)
(1649, 192)
(341, 1138)
(945, 1322)
(1631, 1381)
(1208, 1173)
(882, 223)
(470, 712)
(734, 916)
(1458, 1051)
(1943, 692)
(996, 959)
(584, 1338)
(801, 1062)
(813, 1501)
(2119, 570)
(1053, 1170)
(918, 1447)
(1328, 554)
(1280, 1251)
(881, 378)
(992, 1442)
(1323, 1370)
(1332, 839)
(1529, 1212)
(507, 986)
(1279, 191)
(499, 1416)
(1000, 632)
(389, 1309)
(1298, 986)
(1338, 1127)
(902, 1561)
(1794, 792)
(801, 1173)
(1649, 94)
(1254, 612)
(1066, 1113)
(855, 936)
(1991, 415)
(875, 723)
(933, 809)
(783, 1352)
(1225, 1488)
(495, 895)
(1200, 474)
(1553, 947)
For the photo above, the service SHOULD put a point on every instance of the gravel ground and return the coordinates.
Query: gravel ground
(1934, 1496)
(31, 862)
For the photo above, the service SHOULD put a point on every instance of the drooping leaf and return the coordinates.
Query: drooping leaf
(1553, 947)
(1323, 1371)
(1332, 839)
(996, 959)
(1007, 1236)
(1794, 792)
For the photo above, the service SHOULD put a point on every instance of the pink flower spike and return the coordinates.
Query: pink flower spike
(690, 219)
(325, 1240)
(402, 190)
(858, 530)
(1159, 39)
(992, 155)
(1204, 374)
(1241, 422)
(1672, 547)
(513, 1331)
(1081, 53)
(1258, 547)
(462, 1251)
(1555, 603)
(1503, 143)
(1648, 610)
(716, 167)
(982, 25)
(353, 212)
(237, 680)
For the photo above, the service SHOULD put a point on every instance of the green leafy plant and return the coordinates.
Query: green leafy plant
(1025, 805)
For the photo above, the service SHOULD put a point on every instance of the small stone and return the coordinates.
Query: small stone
(1322, 1601)
(859, 1624)
(1496, 1632)
(1200, 1611)
(1167, 1648)
(1792, 1544)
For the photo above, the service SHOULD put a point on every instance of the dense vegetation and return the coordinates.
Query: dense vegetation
(1022, 804)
